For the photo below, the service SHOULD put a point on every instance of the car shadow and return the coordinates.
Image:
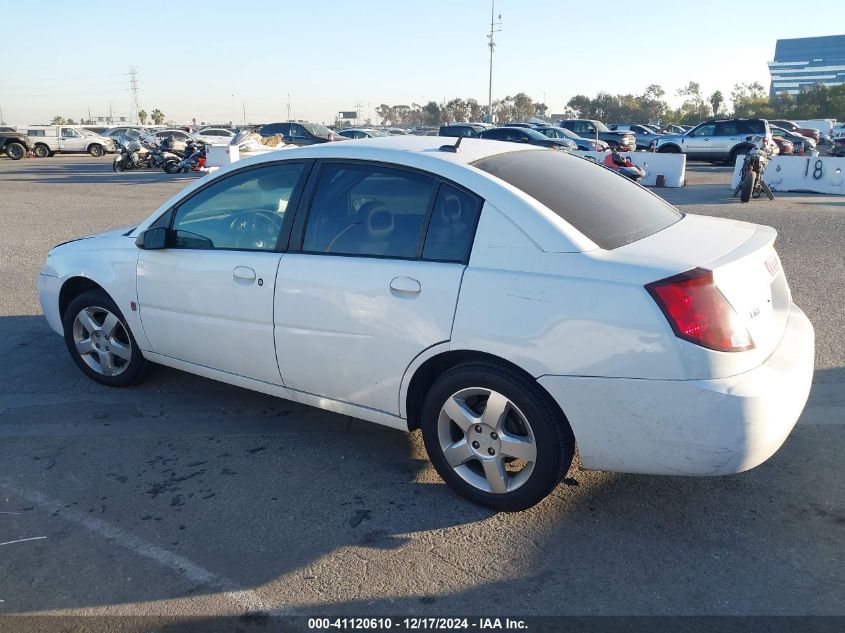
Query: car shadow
(323, 514)
(99, 171)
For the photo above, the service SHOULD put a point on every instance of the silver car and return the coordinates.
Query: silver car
(715, 141)
(644, 135)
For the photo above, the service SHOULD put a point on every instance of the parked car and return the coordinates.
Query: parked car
(358, 133)
(114, 132)
(799, 141)
(471, 130)
(177, 139)
(837, 148)
(644, 135)
(531, 126)
(792, 126)
(509, 301)
(583, 144)
(586, 128)
(396, 131)
(784, 146)
(301, 133)
(47, 140)
(13, 144)
(715, 141)
(215, 135)
(675, 129)
(526, 135)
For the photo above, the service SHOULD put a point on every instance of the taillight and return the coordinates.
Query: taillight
(698, 312)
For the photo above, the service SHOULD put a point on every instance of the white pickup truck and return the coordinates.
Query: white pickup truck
(47, 140)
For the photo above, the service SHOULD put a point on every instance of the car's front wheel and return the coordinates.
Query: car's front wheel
(96, 150)
(100, 341)
(495, 436)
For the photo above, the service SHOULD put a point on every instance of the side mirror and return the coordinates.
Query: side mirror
(749, 138)
(152, 239)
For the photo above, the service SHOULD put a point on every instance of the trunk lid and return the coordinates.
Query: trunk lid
(746, 269)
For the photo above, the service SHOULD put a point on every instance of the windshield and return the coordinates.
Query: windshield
(601, 127)
(607, 208)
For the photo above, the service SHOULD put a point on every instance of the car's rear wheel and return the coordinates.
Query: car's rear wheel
(42, 151)
(668, 149)
(15, 151)
(100, 341)
(737, 152)
(495, 436)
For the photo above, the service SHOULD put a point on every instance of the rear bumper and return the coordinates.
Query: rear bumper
(691, 427)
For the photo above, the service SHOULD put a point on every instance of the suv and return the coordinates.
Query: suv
(525, 135)
(301, 133)
(715, 141)
(470, 130)
(13, 144)
(588, 129)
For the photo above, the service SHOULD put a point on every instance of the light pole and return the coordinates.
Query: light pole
(495, 27)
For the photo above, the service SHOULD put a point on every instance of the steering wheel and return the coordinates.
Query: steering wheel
(258, 229)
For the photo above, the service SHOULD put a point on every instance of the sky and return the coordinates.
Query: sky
(212, 60)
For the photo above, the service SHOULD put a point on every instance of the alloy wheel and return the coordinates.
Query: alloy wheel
(487, 440)
(101, 341)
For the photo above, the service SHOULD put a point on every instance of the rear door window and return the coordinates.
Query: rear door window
(452, 225)
(604, 206)
(368, 210)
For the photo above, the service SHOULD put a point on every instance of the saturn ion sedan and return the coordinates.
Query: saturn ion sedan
(511, 302)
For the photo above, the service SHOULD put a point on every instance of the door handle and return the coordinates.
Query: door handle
(405, 286)
(243, 274)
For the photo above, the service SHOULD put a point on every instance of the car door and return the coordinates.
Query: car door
(374, 281)
(207, 298)
(699, 141)
(70, 140)
(726, 138)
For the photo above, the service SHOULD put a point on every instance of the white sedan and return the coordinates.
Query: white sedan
(508, 301)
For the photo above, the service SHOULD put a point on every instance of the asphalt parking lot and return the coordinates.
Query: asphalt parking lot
(189, 497)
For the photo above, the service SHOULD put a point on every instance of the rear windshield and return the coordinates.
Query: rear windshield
(606, 207)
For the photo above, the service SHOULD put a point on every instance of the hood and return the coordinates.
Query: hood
(124, 230)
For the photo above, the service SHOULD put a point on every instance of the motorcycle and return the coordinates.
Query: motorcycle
(623, 166)
(131, 152)
(192, 160)
(751, 182)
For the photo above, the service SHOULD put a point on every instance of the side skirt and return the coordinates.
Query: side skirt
(320, 402)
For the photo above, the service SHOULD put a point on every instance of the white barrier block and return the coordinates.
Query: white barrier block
(221, 155)
(817, 174)
(671, 166)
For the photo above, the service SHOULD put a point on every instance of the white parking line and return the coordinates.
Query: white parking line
(24, 540)
(246, 599)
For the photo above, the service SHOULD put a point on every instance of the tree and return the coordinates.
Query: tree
(716, 100)
(580, 106)
(70, 122)
(523, 106)
(142, 117)
(58, 120)
(750, 100)
(476, 111)
(157, 116)
(694, 106)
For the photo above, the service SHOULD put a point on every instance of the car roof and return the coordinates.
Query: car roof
(424, 153)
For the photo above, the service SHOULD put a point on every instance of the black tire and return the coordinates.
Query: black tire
(747, 186)
(668, 149)
(134, 366)
(15, 151)
(96, 150)
(555, 444)
(171, 167)
(41, 150)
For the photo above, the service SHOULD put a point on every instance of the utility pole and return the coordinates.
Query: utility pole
(288, 105)
(495, 27)
(90, 120)
(2, 120)
(233, 108)
(243, 106)
(111, 116)
(134, 108)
